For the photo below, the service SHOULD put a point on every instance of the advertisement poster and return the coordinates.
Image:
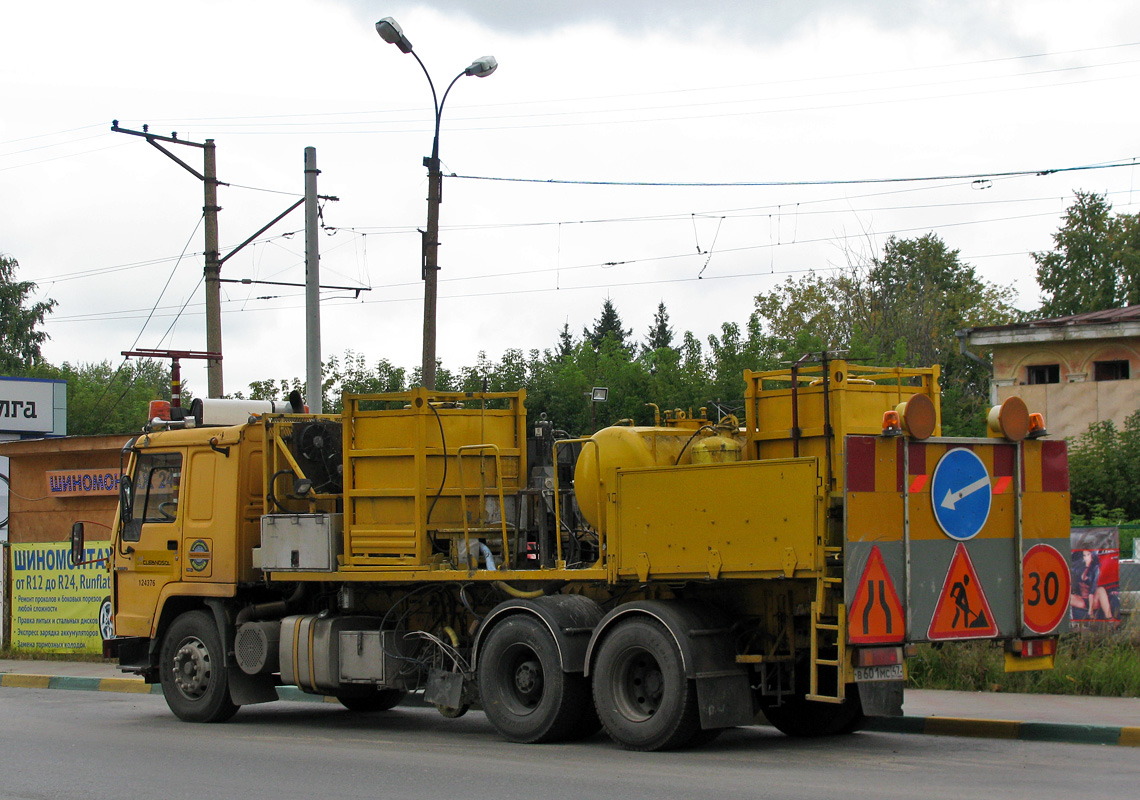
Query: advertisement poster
(3, 595)
(55, 607)
(1095, 569)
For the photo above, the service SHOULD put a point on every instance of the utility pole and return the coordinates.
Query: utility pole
(313, 387)
(212, 272)
(210, 209)
(214, 259)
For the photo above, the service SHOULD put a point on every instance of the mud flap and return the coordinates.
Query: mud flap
(247, 690)
(725, 700)
(882, 698)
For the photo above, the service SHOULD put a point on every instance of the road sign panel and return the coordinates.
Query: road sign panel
(876, 614)
(960, 494)
(1046, 585)
(962, 611)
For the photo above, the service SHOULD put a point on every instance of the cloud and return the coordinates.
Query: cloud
(762, 20)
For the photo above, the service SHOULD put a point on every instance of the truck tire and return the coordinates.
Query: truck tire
(194, 682)
(643, 697)
(379, 700)
(806, 718)
(524, 692)
(106, 619)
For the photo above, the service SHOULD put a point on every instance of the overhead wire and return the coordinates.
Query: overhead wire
(776, 184)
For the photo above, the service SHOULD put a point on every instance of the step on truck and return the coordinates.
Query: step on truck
(662, 582)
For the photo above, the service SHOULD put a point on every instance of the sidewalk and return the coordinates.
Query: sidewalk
(1053, 718)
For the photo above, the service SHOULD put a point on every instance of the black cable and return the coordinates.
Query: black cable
(833, 182)
(434, 500)
(690, 441)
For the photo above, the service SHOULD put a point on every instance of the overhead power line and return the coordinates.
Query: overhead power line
(829, 182)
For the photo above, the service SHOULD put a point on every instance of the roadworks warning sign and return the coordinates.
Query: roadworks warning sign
(963, 612)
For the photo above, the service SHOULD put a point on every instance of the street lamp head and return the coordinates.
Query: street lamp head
(391, 32)
(482, 67)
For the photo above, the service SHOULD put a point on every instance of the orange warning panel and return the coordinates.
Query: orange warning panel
(876, 615)
(962, 611)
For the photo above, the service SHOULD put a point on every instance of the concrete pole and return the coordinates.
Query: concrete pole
(431, 262)
(314, 397)
(212, 272)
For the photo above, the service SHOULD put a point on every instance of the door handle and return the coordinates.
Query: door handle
(172, 544)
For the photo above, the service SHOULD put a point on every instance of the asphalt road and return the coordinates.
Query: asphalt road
(87, 745)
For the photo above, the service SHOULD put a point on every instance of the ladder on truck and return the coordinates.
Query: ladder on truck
(828, 632)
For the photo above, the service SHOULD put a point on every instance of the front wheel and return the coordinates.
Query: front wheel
(524, 692)
(106, 619)
(194, 682)
(642, 694)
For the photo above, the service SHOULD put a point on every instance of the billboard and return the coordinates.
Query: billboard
(1095, 570)
(55, 607)
(29, 406)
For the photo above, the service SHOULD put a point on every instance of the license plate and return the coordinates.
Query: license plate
(889, 672)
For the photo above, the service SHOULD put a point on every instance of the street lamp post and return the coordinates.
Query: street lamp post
(391, 33)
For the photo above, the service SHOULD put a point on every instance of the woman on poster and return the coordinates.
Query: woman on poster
(1088, 595)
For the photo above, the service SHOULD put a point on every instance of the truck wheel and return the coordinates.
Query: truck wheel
(524, 692)
(640, 690)
(805, 718)
(106, 619)
(194, 682)
(379, 700)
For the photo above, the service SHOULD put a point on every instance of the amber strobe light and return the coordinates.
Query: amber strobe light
(1010, 419)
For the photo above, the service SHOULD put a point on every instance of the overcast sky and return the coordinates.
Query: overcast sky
(810, 96)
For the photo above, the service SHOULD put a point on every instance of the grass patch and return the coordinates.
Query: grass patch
(1099, 661)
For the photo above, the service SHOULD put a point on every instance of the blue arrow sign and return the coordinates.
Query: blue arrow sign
(960, 494)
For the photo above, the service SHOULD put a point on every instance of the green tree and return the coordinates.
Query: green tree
(1104, 470)
(660, 333)
(608, 323)
(105, 400)
(902, 308)
(20, 337)
(1095, 260)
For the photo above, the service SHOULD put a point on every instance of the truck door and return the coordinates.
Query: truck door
(147, 557)
(208, 500)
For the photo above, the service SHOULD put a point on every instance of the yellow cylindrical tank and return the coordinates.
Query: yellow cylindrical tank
(716, 450)
(623, 448)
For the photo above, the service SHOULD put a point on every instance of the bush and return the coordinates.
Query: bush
(1102, 661)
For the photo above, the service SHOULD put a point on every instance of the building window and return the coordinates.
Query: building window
(1110, 370)
(1043, 373)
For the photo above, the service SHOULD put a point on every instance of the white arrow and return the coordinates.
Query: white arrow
(953, 497)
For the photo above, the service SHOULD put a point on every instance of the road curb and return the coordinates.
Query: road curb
(1068, 733)
(127, 686)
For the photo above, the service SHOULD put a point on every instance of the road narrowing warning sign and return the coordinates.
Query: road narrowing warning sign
(962, 611)
(876, 615)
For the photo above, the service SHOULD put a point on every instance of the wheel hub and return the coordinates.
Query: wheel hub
(528, 680)
(192, 669)
(640, 686)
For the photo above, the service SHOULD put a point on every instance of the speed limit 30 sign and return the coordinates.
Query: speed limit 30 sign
(1045, 586)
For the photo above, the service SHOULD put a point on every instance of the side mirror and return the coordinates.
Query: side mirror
(77, 544)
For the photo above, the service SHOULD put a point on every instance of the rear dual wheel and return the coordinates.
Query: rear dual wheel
(643, 697)
(525, 693)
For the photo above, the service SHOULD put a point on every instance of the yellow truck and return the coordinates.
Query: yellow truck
(661, 582)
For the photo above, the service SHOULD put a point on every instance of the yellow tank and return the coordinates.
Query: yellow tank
(716, 450)
(623, 448)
